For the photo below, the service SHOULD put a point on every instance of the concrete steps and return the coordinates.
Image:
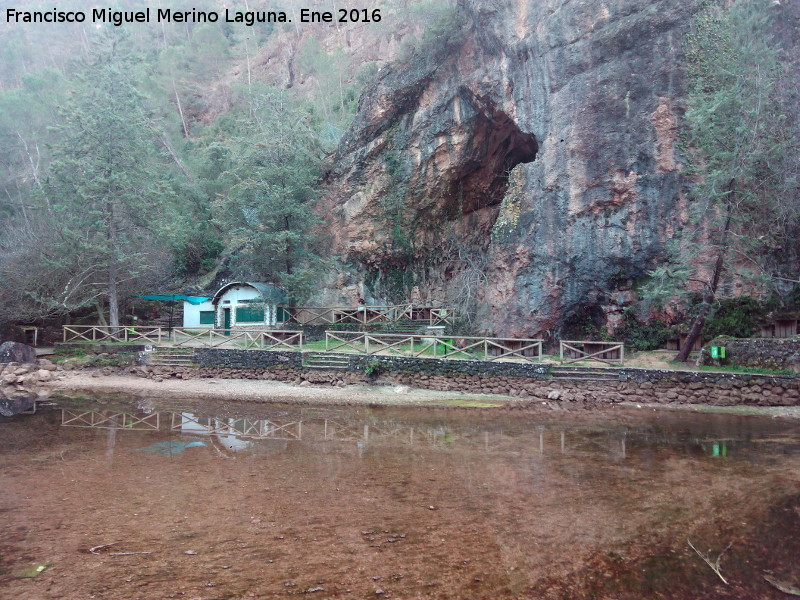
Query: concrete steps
(325, 360)
(173, 357)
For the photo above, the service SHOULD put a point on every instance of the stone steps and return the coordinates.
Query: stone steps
(584, 373)
(172, 357)
(325, 360)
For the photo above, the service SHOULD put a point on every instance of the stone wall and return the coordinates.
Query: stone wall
(645, 387)
(248, 359)
(526, 381)
(438, 366)
(767, 353)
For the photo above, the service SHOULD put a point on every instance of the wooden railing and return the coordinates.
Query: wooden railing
(100, 333)
(365, 315)
(181, 336)
(263, 339)
(469, 348)
(605, 352)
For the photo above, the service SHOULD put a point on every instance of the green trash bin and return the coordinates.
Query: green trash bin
(717, 351)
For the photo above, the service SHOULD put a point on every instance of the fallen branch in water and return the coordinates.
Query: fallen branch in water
(707, 558)
(784, 586)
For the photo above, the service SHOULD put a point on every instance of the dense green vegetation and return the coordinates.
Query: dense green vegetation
(161, 156)
(741, 146)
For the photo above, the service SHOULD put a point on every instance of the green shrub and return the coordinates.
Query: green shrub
(374, 368)
(650, 335)
(735, 317)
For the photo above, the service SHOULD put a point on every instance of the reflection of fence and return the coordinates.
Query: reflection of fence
(261, 429)
(356, 432)
(607, 441)
(179, 336)
(605, 352)
(366, 315)
(469, 348)
(112, 420)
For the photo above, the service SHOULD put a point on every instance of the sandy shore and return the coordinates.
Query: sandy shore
(249, 390)
(268, 391)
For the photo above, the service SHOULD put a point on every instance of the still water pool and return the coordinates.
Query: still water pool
(136, 498)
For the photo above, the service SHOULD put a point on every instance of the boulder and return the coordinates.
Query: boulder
(16, 352)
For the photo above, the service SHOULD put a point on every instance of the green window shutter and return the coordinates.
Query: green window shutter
(247, 314)
(206, 317)
(282, 315)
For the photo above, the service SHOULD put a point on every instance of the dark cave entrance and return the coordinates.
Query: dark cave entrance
(495, 145)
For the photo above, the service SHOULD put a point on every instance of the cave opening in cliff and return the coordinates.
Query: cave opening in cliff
(497, 145)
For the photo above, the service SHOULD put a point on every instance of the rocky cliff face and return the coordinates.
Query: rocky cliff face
(522, 164)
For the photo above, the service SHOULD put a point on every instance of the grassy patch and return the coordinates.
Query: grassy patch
(80, 357)
(64, 354)
(768, 411)
(315, 346)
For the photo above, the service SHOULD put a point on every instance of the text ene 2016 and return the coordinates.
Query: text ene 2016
(354, 15)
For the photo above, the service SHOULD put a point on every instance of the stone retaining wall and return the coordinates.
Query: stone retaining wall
(526, 381)
(766, 353)
(708, 388)
(438, 366)
(248, 359)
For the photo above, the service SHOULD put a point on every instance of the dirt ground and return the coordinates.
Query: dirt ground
(264, 390)
(433, 503)
(247, 390)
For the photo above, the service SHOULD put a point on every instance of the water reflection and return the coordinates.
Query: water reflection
(16, 403)
(610, 442)
(420, 503)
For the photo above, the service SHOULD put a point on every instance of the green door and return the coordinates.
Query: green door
(226, 314)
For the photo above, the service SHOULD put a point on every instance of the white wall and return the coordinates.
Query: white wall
(191, 314)
(234, 297)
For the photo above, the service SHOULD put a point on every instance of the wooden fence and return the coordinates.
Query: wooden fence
(366, 315)
(187, 337)
(101, 333)
(262, 339)
(605, 352)
(469, 348)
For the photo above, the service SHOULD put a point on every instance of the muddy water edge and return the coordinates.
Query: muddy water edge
(115, 498)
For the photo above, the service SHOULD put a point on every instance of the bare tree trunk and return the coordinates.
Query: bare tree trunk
(113, 297)
(249, 74)
(710, 293)
(180, 110)
(171, 149)
(101, 317)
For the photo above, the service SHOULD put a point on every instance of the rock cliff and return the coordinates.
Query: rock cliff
(521, 163)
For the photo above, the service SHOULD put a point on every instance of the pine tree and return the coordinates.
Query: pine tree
(268, 213)
(101, 185)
